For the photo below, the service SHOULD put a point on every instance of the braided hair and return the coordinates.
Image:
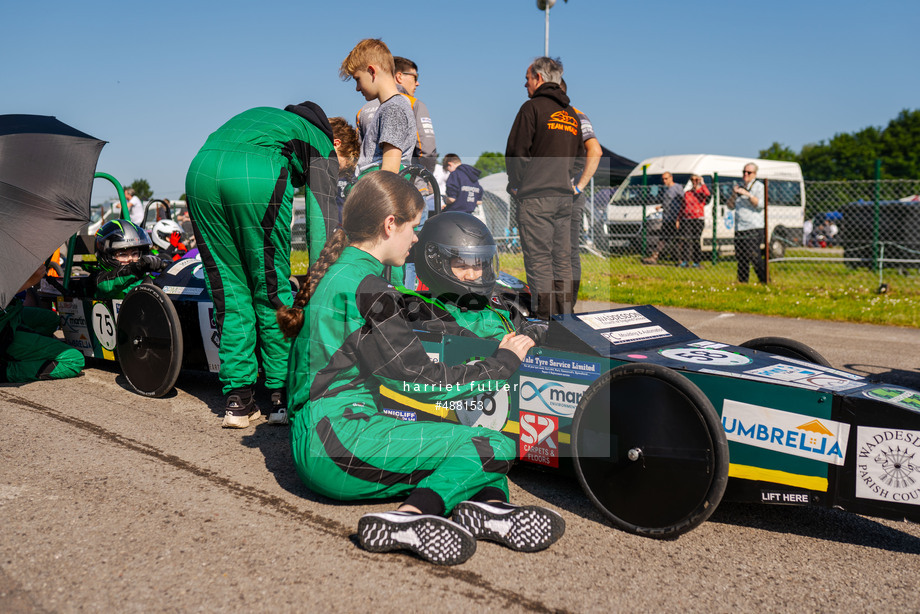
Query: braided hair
(375, 197)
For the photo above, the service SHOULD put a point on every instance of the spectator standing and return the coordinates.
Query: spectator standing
(748, 202)
(464, 193)
(585, 169)
(388, 136)
(692, 222)
(540, 154)
(672, 205)
(425, 151)
(135, 207)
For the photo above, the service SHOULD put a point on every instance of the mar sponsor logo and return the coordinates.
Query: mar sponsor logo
(888, 465)
(550, 397)
(539, 439)
(785, 432)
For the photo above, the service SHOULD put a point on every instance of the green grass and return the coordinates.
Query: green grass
(815, 290)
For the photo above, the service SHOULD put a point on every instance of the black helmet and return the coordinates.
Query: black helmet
(116, 235)
(452, 235)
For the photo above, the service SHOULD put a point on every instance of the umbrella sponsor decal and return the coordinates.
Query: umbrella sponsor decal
(888, 465)
(819, 439)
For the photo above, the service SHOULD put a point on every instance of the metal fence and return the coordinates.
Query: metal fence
(821, 234)
(824, 237)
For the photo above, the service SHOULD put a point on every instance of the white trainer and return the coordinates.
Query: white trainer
(436, 539)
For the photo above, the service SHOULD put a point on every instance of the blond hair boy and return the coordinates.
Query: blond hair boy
(391, 137)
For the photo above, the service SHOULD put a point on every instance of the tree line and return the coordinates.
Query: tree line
(852, 156)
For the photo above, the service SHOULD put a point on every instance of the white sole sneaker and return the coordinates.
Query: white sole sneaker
(525, 528)
(436, 539)
(241, 421)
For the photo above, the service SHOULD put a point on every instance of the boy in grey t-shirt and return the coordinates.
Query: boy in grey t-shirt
(391, 137)
(393, 124)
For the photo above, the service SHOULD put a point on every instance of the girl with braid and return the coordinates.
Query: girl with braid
(351, 336)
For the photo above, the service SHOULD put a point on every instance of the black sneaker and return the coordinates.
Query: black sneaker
(239, 414)
(279, 412)
(434, 538)
(525, 528)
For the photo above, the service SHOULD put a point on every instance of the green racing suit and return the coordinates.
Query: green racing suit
(28, 349)
(357, 336)
(240, 189)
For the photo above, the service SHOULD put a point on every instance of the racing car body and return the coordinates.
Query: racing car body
(170, 325)
(659, 425)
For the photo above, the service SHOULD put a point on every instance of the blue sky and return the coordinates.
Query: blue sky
(155, 78)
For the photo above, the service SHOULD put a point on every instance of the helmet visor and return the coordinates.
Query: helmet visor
(471, 266)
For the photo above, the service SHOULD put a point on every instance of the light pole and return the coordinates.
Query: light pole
(545, 6)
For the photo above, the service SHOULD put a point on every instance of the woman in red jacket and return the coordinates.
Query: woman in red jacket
(692, 222)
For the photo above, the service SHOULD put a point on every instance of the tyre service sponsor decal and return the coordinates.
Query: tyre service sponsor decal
(539, 439)
(632, 335)
(561, 367)
(806, 376)
(550, 397)
(706, 356)
(614, 319)
(888, 465)
(782, 431)
(902, 397)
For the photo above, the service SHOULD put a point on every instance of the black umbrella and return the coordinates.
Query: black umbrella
(46, 180)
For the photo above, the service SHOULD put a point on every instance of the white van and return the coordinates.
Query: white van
(643, 190)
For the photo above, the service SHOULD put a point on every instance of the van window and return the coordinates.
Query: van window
(785, 193)
(634, 193)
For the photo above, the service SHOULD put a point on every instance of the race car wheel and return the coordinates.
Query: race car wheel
(149, 342)
(787, 348)
(649, 450)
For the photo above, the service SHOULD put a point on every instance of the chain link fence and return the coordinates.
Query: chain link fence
(826, 238)
(822, 235)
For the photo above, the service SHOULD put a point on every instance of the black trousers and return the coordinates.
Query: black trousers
(692, 230)
(747, 252)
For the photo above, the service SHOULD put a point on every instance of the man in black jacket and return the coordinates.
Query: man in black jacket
(544, 142)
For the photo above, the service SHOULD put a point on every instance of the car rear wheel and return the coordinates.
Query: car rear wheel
(149, 343)
(649, 450)
(787, 348)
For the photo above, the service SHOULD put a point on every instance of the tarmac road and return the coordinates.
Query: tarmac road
(113, 502)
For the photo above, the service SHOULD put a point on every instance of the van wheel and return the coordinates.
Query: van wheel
(778, 243)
